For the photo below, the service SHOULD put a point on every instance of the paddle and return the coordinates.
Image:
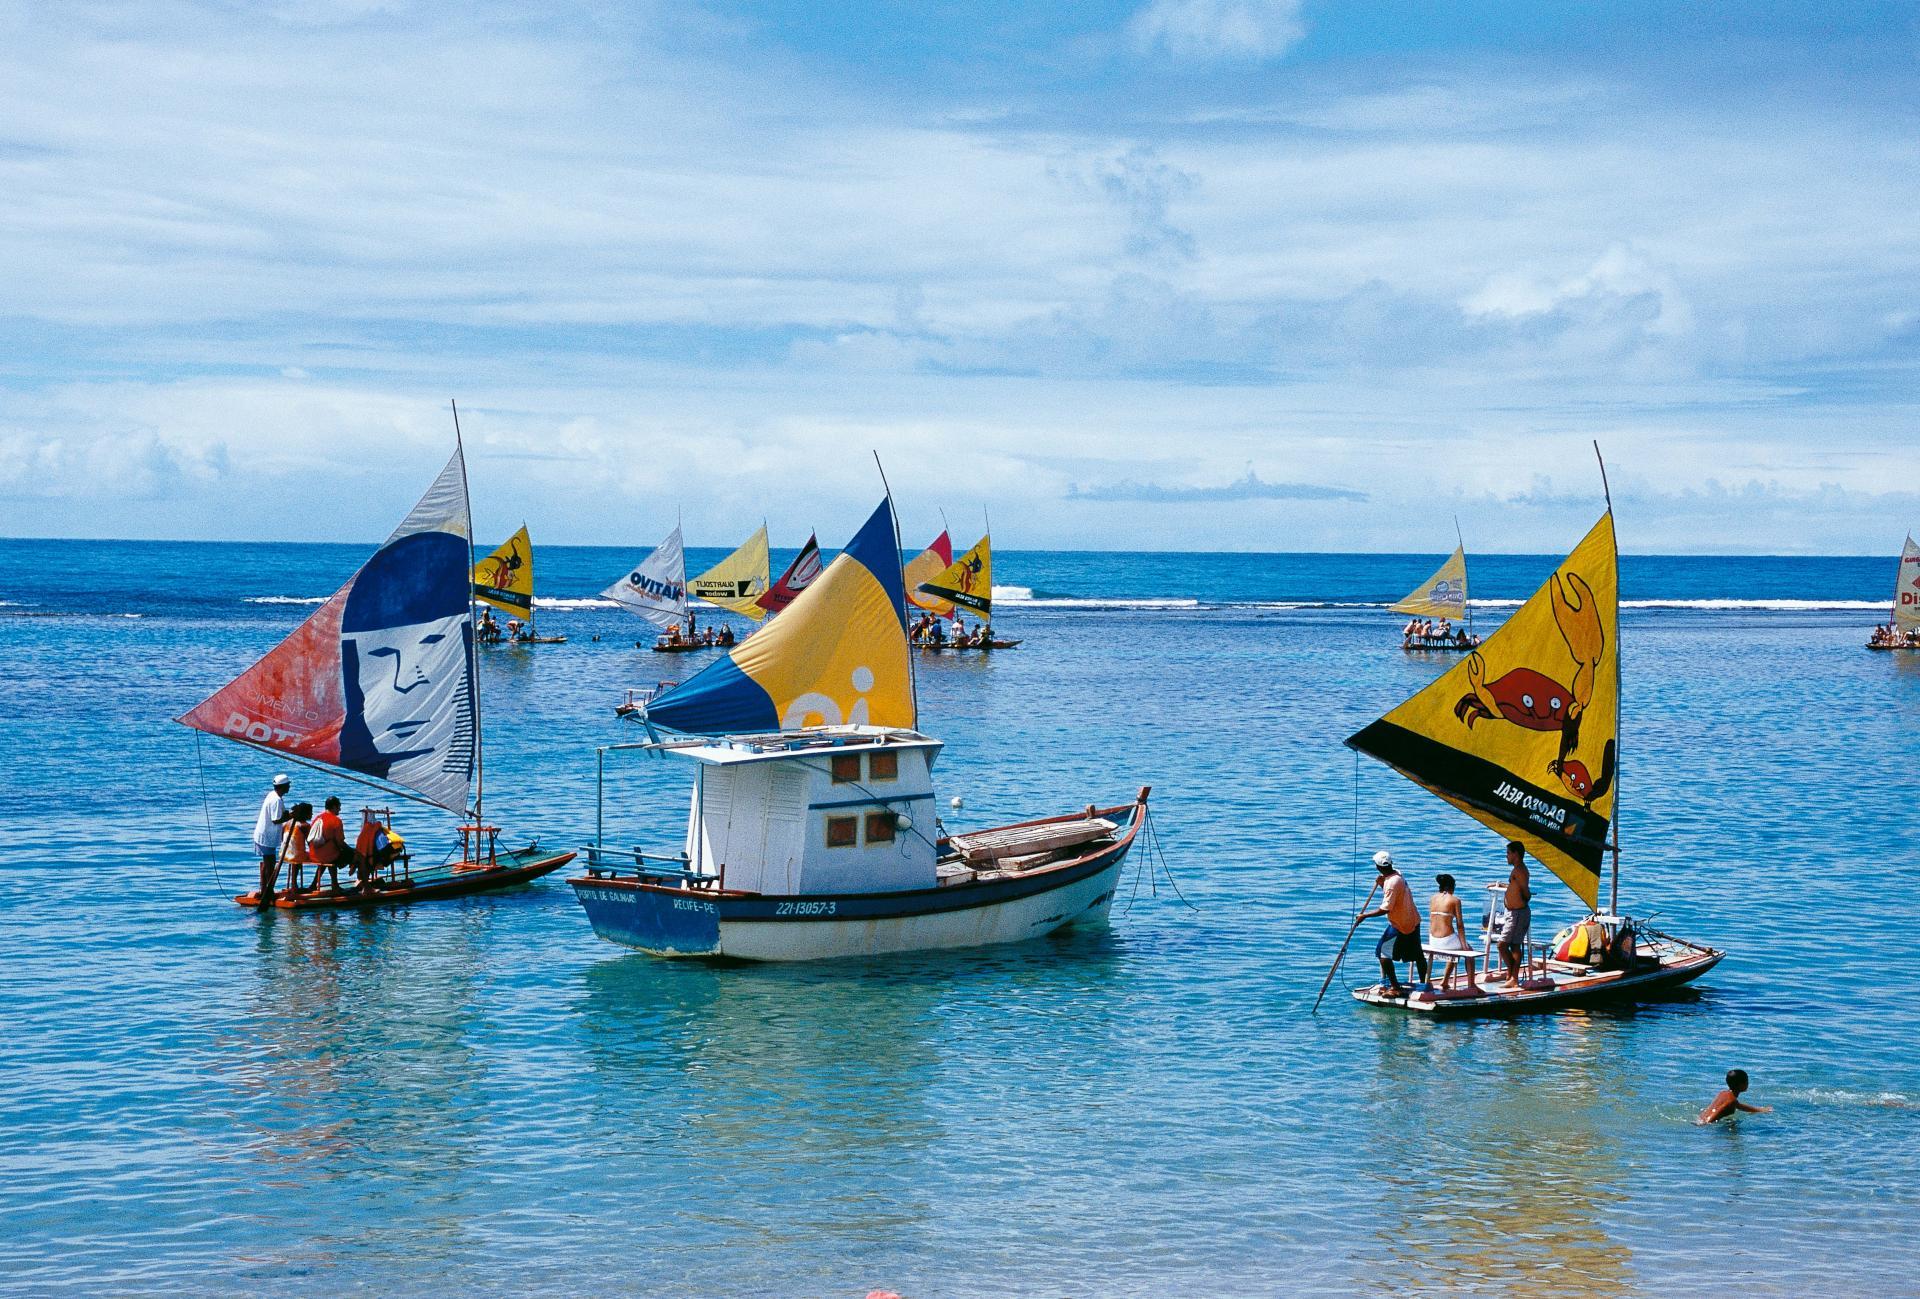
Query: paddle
(1343, 947)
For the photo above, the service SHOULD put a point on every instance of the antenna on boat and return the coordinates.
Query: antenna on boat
(1613, 901)
(913, 678)
(473, 661)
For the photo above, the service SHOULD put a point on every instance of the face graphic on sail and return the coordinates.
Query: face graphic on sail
(1531, 699)
(403, 658)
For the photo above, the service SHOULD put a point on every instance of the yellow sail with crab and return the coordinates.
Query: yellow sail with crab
(1444, 595)
(1523, 734)
(504, 579)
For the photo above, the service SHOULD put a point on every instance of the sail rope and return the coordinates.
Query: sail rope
(206, 810)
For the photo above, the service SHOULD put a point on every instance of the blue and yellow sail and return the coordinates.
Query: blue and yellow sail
(837, 655)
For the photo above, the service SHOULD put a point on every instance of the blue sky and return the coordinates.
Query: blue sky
(1197, 274)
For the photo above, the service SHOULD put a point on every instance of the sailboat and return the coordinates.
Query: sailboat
(1902, 631)
(966, 583)
(504, 580)
(737, 582)
(656, 589)
(1444, 596)
(378, 685)
(799, 576)
(924, 567)
(812, 831)
(1523, 737)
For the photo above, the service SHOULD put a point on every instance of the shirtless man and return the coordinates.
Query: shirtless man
(1519, 899)
(1445, 926)
(1728, 1103)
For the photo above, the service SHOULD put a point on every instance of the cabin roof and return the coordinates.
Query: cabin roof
(778, 746)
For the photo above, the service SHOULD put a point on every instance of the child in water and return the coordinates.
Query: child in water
(1728, 1102)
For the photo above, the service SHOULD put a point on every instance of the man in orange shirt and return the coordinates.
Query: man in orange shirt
(327, 844)
(1401, 941)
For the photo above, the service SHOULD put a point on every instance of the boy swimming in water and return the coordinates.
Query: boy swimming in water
(1728, 1102)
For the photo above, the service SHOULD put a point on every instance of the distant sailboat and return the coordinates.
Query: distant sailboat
(924, 567)
(1902, 631)
(812, 832)
(1443, 596)
(737, 582)
(1523, 737)
(966, 583)
(378, 685)
(799, 576)
(504, 580)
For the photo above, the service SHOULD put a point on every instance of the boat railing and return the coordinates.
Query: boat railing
(606, 863)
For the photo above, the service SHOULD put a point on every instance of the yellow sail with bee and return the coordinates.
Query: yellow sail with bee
(1523, 734)
(968, 581)
(504, 579)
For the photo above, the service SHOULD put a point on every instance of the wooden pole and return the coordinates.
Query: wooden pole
(1343, 946)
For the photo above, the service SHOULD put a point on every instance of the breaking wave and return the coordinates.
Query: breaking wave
(286, 599)
(564, 602)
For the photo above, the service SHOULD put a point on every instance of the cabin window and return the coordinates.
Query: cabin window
(846, 768)
(883, 766)
(843, 831)
(879, 827)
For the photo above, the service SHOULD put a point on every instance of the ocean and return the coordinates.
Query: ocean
(481, 1097)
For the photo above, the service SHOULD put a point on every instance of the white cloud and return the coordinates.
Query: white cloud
(1213, 30)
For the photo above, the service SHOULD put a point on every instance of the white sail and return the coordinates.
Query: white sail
(1906, 591)
(656, 589)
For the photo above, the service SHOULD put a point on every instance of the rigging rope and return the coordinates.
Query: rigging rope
(206, 810)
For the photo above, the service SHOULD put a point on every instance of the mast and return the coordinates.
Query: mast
(1466, 605)
(473, 662)
(1613, 902)
(913, 678)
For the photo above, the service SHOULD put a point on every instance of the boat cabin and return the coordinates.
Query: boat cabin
(835, 809)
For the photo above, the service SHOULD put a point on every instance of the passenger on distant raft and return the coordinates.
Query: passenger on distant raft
(1401, 941)
(327, 845)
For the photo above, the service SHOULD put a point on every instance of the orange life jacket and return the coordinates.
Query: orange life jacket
(333, 837)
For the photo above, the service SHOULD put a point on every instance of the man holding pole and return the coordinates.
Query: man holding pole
(1401, 941)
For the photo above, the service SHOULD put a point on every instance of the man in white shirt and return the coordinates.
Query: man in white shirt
(266, 835)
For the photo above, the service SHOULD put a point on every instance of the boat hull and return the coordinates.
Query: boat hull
(677, 921)
(457, 879)
(1572, 993)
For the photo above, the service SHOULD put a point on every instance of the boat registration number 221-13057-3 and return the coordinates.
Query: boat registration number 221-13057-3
(803, 908)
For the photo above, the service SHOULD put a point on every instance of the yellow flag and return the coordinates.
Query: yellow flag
(1522, 734)
(968, 582)
(1444, 595)
(504, 579)
(738, 581)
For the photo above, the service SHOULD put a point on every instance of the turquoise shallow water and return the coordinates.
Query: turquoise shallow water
(482, 1097)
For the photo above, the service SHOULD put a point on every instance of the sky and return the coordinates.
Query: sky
(1123, 274)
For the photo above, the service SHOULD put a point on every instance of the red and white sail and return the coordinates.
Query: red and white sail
(798, 577)
(380, 679)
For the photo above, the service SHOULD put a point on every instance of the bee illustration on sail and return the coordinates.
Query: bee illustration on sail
(964, 583)
(1523, 736)
(504, 581)
(812, 831)
(378, 684)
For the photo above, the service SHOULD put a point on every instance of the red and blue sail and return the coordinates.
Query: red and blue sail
(380, 679)
(837, 655)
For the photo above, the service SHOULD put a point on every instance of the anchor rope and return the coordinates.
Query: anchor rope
(1156, 847)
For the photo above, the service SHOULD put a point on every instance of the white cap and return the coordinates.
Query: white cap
(1383, 858)
(282, 779)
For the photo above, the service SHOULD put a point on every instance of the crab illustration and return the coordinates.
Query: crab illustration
(1531, 699)
(1581, 783)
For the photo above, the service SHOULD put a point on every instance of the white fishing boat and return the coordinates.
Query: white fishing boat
(812, 831)
(1902, 631)
(1523, 737)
